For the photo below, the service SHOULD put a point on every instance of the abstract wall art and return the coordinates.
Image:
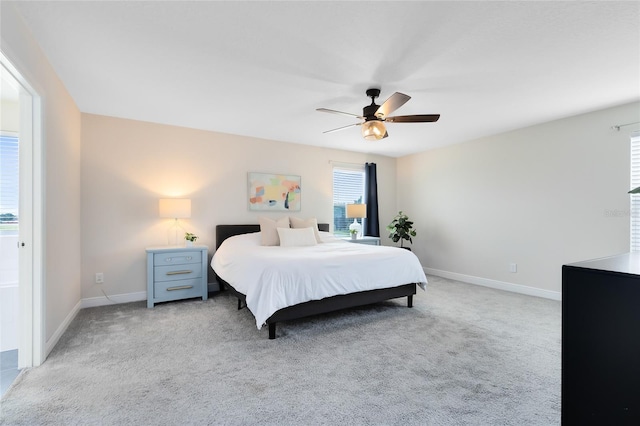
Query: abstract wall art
(274, 192)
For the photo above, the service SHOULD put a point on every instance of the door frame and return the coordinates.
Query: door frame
(31, 342)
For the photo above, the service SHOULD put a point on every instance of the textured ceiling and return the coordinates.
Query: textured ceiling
(262, 68)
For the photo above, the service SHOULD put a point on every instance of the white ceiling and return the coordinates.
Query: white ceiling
(262, 68)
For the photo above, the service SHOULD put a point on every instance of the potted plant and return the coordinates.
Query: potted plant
(354, 234)
(190, 238)
(400, 229)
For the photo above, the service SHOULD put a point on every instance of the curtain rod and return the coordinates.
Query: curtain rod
(617, 126)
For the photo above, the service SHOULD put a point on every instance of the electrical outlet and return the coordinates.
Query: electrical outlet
(513, 268)
(99, 278)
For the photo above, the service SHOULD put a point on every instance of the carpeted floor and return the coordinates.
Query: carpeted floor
(463, 355)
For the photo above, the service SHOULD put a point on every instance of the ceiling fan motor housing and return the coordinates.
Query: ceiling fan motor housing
(369, 112)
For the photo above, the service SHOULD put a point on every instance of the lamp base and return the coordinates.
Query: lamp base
(175, 234)
(355, 225)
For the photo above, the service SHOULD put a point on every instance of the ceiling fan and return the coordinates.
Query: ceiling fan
(374, 116)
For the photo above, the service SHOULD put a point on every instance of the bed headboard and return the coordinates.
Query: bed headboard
(225, 231)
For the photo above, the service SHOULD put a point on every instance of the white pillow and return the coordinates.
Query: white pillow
(297, 223)
(296, 237)
(269, 235)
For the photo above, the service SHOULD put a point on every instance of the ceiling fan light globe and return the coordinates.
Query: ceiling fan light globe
(373, 130)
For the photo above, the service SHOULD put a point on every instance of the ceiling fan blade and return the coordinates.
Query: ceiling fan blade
(333, 111)
(342, 128)
(394, 102)
(421, 118)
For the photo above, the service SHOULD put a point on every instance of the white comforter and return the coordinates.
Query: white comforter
(274, 277)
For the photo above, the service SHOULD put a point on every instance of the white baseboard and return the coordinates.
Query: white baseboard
(138, 296)
(113, 299)
(500, 285)
(51, 343)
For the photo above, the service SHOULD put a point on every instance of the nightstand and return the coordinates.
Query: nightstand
(374, 241)
(175, 273)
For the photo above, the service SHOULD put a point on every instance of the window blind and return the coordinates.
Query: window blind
(635, 198)
(8, 177)
(348, 188)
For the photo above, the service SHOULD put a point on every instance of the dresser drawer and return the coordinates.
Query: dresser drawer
(179, 289)
(177, 258)
(177, 272)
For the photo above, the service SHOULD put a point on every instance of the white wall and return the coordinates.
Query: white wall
(10, 116)
(540, 197)
(61, 138)
(128, 165)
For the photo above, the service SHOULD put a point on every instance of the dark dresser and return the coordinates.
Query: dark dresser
(601, 341)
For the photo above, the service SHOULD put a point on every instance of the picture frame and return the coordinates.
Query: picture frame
(274, 192)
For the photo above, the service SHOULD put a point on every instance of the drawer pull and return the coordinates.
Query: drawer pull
(170, 259)
(181, 287)
(179, 272)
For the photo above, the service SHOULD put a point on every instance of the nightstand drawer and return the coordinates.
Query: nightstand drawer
(178, 258)
(177, 272)
(179, 289)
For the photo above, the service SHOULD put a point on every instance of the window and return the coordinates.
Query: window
(8, 183)
(348, 188)
(635, 198)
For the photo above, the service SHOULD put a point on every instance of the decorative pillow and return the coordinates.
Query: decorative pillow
(296, 237)
(297, 223)
(269, 234)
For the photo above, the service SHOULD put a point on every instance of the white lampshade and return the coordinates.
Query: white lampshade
(356, 210)
(176, 208)
(373, 130)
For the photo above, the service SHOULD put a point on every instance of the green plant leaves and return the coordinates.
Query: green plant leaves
(401, 228)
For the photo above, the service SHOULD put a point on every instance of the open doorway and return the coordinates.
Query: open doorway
(21, 313)
(9, 226)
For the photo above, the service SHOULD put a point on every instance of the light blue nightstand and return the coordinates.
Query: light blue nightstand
(374, 241)
(175, 273)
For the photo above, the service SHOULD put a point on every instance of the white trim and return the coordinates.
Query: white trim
(91, 302)
(500, 285)
(138, 296)
(51, 343)
(39, 237)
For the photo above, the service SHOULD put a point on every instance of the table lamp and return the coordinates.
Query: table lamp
(356, 211)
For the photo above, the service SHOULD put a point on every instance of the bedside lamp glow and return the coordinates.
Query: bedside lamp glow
(356, 211)
(175, 208)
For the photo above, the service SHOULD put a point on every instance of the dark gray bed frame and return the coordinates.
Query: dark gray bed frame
(314, 307)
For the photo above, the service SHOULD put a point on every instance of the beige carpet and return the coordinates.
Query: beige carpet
(463, 355)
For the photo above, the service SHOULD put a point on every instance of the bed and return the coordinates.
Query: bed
(327, 277)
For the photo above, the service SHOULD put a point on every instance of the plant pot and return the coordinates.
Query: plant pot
(354, 236)
(188, 243)
(406, 248)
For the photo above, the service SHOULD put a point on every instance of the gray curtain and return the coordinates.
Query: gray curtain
(371, 223)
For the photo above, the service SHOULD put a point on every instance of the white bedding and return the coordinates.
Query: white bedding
(274, 277)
